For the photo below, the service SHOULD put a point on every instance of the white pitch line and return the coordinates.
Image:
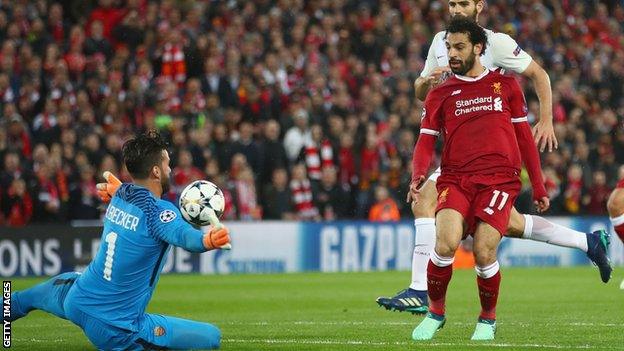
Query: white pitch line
(404, 343)
(36, 340)
(330, 323)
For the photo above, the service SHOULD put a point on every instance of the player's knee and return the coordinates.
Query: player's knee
(615, 204)
(446, 249)
(484, 257)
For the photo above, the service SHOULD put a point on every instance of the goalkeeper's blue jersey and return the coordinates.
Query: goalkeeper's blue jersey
(138, 231)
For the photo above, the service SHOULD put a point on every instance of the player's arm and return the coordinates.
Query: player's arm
(424, 148)
(528, 151)
(431, 74)
(169, 226)
(543, 132)
(507, 54)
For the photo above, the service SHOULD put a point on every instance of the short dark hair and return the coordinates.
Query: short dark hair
(476, 34)
(142, 153)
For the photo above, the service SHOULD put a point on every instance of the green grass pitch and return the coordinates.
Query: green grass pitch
(554, 308)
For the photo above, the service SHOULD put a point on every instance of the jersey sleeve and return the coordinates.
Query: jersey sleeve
(507, 54)
(430, 127)
(517, 102)
(169, 226)
(522, 129)
(431, 62)
(431, 115)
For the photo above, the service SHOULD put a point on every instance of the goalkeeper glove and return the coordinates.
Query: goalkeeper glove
(217, 238)
(107, 190)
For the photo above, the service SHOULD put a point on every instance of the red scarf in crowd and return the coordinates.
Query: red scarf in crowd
(173, 65)
(302, 195)
(318, 158)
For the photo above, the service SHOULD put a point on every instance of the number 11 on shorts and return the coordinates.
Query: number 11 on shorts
(504, 196)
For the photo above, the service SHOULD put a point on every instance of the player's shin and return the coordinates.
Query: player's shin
(488, 281)
(439, 273)
(424, 244)
(539, 229)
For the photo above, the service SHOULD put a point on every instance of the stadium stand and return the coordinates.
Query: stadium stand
(248, 92)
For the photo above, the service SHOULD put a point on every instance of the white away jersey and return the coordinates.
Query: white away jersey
(501, 52)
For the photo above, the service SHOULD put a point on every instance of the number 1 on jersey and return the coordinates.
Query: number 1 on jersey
(110, 239)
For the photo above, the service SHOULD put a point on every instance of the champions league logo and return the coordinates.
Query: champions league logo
(167, 216)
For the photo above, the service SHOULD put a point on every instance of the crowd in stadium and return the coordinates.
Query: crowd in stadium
(297, 110)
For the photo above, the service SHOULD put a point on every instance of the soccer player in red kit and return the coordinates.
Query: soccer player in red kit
(481, 115)
(615, 206)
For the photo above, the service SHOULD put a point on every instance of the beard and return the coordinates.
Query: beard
(165, 184)
(464, 66)
(472, 16)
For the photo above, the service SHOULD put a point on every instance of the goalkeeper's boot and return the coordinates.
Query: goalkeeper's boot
(410, 300)
(428, 326)
(597, 249)
(485, 330)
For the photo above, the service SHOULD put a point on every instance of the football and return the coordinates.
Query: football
(200, 201)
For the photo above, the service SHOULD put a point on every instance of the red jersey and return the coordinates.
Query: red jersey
(484, 124)
(475, 116)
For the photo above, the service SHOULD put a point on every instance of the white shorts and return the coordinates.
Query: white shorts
(434, 176)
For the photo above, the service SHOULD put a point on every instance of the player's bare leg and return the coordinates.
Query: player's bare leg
(595, 245)
(615, 207)
(485, 245)
(439, 271)
(414, 298)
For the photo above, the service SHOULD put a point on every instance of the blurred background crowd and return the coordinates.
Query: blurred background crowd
(297, 110)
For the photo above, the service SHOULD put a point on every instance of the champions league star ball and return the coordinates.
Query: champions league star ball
(200, 201)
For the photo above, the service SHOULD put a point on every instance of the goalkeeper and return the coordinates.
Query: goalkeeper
(108, 300)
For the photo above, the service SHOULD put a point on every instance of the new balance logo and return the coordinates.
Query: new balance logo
(498, 104)
(456, 92)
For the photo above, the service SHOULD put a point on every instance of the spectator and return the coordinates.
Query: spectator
(247, 146)
(330, 198)
(13, 170)
(385, 208)
(302, 194)
(298, 135)
(573, 192)
(83, 197)
(277, 198)
(317, 154)
(273, 152)
(245, 196)
(595, 200)
(17, 205)
(47, 199)
(185, 173)
(96, 43)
